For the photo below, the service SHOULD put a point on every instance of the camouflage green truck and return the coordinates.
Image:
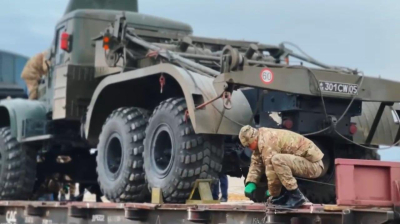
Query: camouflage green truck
(163, 108)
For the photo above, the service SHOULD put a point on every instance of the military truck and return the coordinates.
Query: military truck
(143, 104)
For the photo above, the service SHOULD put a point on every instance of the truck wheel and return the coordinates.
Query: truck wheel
(119, 159)
(17, 168)
(175, 156)
(325, 193)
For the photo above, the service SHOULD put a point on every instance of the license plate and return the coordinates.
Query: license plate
(337, 87)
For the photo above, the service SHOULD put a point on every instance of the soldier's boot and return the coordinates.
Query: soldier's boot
(280, 200)
(295, 199)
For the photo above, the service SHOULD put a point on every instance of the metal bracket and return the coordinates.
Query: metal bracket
(347, 216)
(3, 210)
(396, 213)
(396, 207)
(136, 214)
(77, 212)
(35, 211)
(201, 193)
(397, 138)
(374, 125)
(32, 127)
(198, 216)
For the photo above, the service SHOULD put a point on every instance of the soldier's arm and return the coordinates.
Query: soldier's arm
(256, 169)
(32, 68)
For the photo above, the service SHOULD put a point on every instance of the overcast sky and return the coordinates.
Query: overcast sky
(359, 34)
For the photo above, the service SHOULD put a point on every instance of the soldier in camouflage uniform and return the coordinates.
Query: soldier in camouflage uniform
(281, 154)
(34, 69)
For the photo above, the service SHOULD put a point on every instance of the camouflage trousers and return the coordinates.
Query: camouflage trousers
(286, 166)
(32, 86)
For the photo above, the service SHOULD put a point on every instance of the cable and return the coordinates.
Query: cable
(196, 49)
(340, 68)
(321, 95)
(299, 49)
(317, 132)
(220, 120)
(313, 181)
(323, 100)
(215, 63)
(260, 99)
(366, 147)
(222, 113)
(333, 125)
(315, 79)
(353, 98)
(316, 83)
(351, 141)
(171, 59)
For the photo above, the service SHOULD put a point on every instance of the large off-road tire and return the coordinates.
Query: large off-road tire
(325, 193)
(119, 159)
(17, 168)
(175, 156)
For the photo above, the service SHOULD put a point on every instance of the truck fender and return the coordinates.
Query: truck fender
(14, 112)
(208, 120)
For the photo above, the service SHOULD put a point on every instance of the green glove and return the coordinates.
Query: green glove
(249, 189)
(267, 194)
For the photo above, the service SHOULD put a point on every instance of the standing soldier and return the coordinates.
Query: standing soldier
(34, 69)
(223, 183)
(281, 154)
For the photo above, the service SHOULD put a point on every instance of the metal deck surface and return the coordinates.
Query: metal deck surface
(89, 212)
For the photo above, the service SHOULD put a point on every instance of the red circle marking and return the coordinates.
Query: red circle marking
(267, 79)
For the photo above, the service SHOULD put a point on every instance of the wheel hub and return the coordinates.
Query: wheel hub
(114, 155)
(162, 150)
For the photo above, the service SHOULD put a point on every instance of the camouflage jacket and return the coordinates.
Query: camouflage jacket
(35, 68)
(278, 141)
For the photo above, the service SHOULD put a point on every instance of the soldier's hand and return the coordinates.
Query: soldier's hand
(249, 190)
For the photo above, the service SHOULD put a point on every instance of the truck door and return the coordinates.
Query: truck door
(57, 58)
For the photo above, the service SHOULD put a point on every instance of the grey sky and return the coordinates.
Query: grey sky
(359, 34)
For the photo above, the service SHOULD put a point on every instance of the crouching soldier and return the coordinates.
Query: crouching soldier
(281, 154)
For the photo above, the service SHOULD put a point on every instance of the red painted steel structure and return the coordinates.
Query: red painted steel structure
(367, 182)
